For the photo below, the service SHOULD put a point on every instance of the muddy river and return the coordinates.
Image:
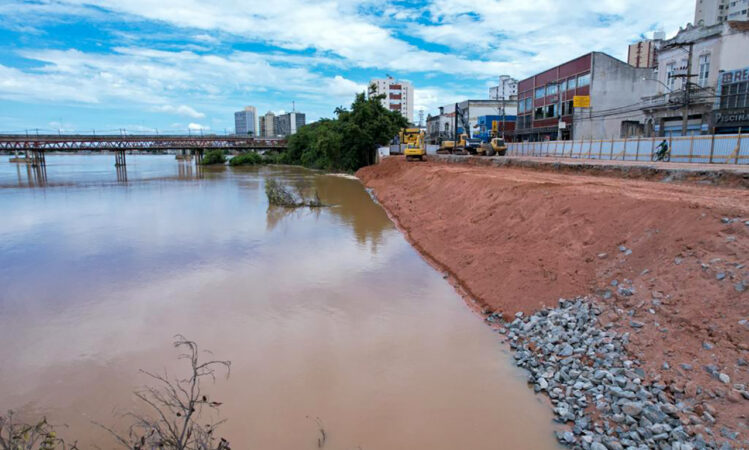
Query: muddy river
(328, 316)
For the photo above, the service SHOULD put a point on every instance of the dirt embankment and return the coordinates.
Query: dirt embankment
(660, 258)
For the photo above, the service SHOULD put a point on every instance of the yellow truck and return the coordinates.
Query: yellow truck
(413, 138)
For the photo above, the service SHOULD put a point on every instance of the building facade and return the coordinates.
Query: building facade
(507, 89)
(688, 87)
(399, 95)
(288, 124)
(731, 114)
(713, 12)
(267, 125)
(244, 121)
(613, 88)
(645, 53)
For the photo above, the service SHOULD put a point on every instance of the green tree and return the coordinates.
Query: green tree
(349, 141)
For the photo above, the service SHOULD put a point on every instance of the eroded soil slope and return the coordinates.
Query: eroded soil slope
(668, 261)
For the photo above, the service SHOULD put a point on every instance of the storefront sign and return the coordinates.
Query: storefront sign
(731, 117)
(735, 76)
(581, 101)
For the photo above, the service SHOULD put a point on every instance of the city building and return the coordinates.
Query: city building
(688, 87)
(267, 125)
(287, 124)
(712, 12)
(612, 87)
(507, 89)
(471, 118)
(399, 95)
(244, 121)
(731, 114)
(645, 53)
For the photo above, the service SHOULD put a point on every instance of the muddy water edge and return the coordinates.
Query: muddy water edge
(325, 314)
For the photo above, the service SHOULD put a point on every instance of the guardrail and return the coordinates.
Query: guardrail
(713, 149)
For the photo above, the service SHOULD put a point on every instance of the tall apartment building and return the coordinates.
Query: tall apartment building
(399, 95)
(267, 125)
(288, 124)
(244, 121)
(644, 54)
(507, 89)
(711, 12)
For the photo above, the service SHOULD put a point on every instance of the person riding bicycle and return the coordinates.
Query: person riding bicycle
(662, 150)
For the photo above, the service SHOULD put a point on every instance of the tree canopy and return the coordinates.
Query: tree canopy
(349, 141)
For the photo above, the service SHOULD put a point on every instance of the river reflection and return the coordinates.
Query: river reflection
(325, 313)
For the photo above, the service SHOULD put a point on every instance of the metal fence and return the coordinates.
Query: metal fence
(715, 148)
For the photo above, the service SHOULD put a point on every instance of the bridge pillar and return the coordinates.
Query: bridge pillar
(37, 158)
(119, 158)
(198, 152)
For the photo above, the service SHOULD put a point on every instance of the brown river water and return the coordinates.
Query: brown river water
(327, 315)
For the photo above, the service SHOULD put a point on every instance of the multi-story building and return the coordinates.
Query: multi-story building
(267, 122)
(613, 88)
(731, 113)
(687, 87)
(645, 53)
(507, 89)
(244, 121)
(399, 95)
(712, 12)
(288, 124)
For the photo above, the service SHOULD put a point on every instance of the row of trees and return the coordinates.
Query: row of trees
(348, 142)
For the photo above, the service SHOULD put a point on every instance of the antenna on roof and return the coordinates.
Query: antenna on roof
(293, 106)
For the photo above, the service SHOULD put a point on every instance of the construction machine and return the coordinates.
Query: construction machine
(496, 145)
(453, 146)
(415, 148)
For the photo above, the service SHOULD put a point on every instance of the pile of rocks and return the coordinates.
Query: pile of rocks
(596, 387)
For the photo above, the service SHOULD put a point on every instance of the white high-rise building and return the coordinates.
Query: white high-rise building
(399, 95)
(711, 12)
(244, 121)
(505, 90)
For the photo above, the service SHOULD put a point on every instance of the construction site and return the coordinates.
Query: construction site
(657, 250)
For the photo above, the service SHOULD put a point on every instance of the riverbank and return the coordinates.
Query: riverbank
(661, 263)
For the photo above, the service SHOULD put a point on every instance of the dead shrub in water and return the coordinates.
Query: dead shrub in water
(177, 406)
(16, 435)
(280, 195)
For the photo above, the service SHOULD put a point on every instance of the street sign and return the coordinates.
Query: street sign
(562, 124)
(581, 101)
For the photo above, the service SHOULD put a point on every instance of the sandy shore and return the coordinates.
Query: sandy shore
(665, 262)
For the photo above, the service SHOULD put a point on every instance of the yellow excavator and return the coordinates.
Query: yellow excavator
(415, 148)
(453, 146)
(496, 145)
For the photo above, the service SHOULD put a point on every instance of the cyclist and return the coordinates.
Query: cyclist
(661, 152)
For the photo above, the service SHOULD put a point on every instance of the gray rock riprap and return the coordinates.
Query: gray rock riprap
(584, 368)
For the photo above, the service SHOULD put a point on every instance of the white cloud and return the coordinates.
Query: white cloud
(197, 127)
(182, 110)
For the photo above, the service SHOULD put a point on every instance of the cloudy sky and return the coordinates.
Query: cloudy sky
(79, 65)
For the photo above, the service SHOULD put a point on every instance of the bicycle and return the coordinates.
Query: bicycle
(661, 153)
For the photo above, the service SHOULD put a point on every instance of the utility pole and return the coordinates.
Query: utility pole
(685, 114)
(455, 129)
(559, 109)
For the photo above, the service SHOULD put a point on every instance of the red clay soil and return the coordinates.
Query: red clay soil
(519, 239)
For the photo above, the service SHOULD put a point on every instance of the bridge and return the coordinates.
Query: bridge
(35, 146)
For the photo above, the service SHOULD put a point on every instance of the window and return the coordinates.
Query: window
(539, 114)
(704, 69)
(670, 75)
(562, 86)
(571, 83)
(551, 89)
(583, 80)
(521, 106)
(567, 108)
(550, 111)
(540, 92)
(528, 104)
(735, 95)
